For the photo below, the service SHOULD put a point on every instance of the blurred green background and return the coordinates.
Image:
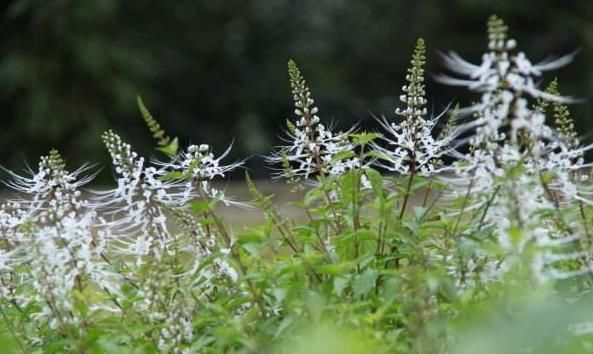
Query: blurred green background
(214, 71)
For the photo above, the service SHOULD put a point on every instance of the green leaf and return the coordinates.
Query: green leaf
(200, 206)
(173, 175)
(343, 155)
(284, 324)
(348, 187)
(376, 181)
(364, 283)
(340, 283)
(364, 138)
(336, 268)
(253, 249)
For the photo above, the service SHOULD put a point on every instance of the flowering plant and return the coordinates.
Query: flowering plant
(404, 235)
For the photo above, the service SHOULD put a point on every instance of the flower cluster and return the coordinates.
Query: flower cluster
(177, 332)
(51, 230)
(314, 149)
(148, 199)
(505, 80)
(520, 166)
(137, 205)
(152, 253)
(198, 167)
(412, 147)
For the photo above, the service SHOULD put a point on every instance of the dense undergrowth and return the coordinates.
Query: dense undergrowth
(468, 232)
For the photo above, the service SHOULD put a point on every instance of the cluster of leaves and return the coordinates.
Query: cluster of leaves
(436, 258)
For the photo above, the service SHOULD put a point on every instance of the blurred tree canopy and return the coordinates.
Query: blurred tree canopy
(214, 71)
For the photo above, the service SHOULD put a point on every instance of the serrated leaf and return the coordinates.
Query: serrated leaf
(340, 283)
(363, 283)
(343, 155)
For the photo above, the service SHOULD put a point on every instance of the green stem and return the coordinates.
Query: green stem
(407, 194)
(427, 193)
(488, 204)
(463, 206)
(235, 253)
(336, 224)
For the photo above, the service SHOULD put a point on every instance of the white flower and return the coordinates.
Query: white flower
(507, 128)
(518, 166)
(136, 206)
(312, 147)
(412, 148)
(140, 212)
(197, 167)
(177, 332)
(51, 230)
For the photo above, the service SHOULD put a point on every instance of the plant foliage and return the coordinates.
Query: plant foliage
(465, 236)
